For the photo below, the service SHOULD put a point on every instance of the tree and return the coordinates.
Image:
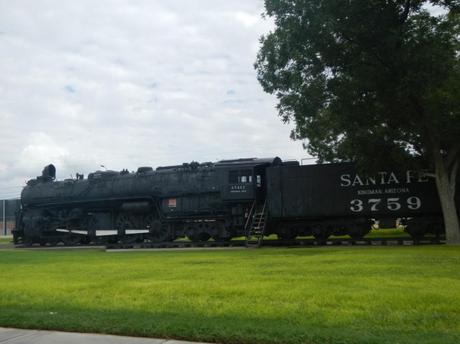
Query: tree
(364, 76)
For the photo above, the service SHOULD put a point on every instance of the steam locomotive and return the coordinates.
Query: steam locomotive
(222, 200)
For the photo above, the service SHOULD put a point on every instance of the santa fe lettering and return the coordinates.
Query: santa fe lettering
(381, 178)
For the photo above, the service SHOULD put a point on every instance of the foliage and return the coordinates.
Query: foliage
(376, 82)
(371, 74)
(304, 295)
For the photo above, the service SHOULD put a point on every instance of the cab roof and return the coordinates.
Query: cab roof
(246, 162)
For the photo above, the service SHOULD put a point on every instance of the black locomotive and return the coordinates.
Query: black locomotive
(223, 200)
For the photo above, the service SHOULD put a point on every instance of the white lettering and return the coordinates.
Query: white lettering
(392, 204)
(397, 190)
(357, 181)
(409, 176)
(370, 192)
(382, 177)
(392, 179)
(345, 178)
(370, 180)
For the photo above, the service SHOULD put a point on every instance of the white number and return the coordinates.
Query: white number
(393, 204)
(356, 205)
(414, 203)
(375, 202)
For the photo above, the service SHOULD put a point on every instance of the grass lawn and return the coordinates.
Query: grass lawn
(387, 233)
(270, 295)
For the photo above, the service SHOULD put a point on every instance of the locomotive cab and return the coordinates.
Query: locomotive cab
(245, 179)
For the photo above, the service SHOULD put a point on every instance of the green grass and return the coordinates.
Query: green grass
(301, 295)
(387, 233)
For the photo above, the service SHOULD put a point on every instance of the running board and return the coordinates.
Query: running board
(102, 232)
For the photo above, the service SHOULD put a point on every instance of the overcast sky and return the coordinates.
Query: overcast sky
(131, 83)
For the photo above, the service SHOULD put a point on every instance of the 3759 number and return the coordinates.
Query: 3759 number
(392, 204)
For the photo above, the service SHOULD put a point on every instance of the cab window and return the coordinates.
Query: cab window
(240, 177)
(233, 177)
(245, 175)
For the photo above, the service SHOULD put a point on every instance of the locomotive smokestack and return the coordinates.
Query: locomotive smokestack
(49, 172)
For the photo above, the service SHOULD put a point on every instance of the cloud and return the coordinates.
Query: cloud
(131, 83)
(247, 19)
(69, 88)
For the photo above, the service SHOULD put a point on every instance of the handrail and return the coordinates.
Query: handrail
(263, 213)
(249, 218)
(260, 220)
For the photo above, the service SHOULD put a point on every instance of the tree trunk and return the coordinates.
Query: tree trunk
(446, 185)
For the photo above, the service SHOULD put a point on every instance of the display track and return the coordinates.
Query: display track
(266, 243)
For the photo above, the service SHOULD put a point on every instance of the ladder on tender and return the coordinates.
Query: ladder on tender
(255, 225)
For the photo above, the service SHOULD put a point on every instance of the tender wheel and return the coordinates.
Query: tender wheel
(200, 236)
(287, 236)
(360, 229)
(321, 234)
(416, 232)
(321, 238)
(356, 237)
(356, 233)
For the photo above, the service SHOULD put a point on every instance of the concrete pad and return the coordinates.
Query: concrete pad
(6, 246)
(19, 336)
